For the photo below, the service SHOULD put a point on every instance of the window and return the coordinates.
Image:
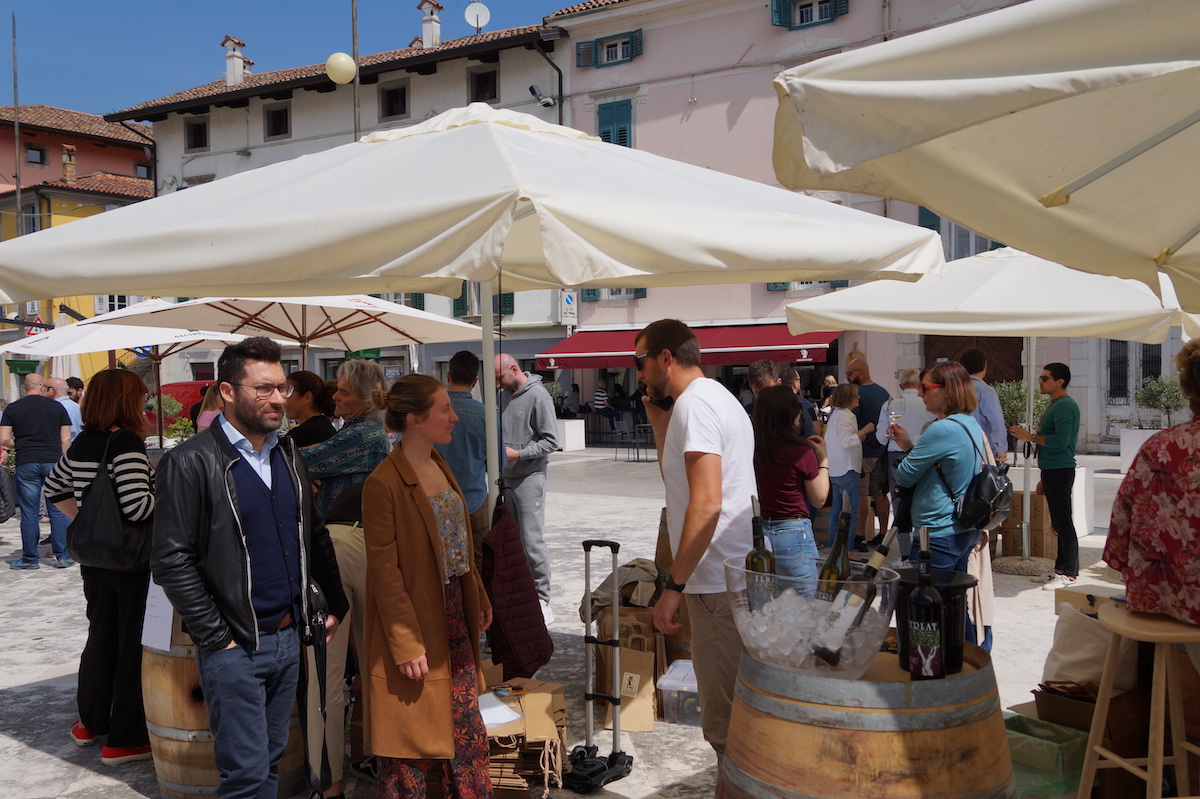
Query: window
(204, 371)
(277, 121)
(393, 101)
(141, 169)
(957, 241)
(195, 134)
(609, 50)
(35, 155)
(1118, 372)
(484, 86)
(115, 302)
(614, 122)
(793, 14)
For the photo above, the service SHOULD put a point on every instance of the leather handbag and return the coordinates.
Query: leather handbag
(100, 536)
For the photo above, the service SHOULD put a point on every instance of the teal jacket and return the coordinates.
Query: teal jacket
(944, 443)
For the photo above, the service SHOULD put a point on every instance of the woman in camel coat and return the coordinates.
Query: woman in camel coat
(425, 607)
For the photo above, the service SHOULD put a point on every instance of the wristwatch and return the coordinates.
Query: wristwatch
(670, 585)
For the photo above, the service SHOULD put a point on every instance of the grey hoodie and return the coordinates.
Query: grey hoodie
(528, 423)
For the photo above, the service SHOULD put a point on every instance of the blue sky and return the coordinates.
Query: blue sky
(105, 56)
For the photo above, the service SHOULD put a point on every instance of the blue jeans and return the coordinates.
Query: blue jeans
(794, 547)
(30, 479)
(250, 696)
(850, 482)
(951, 552)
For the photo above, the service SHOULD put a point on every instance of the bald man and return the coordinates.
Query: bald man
(530, 435)
(40, 430)
(58, 390)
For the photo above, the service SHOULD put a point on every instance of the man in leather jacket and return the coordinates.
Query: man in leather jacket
(234, 548)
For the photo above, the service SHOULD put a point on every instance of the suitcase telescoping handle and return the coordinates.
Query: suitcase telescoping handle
(614, 698)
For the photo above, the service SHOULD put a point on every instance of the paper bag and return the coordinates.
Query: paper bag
(636, 691)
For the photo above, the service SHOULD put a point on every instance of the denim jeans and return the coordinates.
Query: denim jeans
(794, 547)
(851, 483)
(250, 696)
(30, 479)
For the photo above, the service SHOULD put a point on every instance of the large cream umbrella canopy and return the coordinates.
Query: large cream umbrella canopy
(1066, 128)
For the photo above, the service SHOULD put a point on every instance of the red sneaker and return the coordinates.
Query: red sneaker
(116, 755)
(81, 735)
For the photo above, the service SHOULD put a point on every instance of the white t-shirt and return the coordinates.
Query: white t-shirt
(707, 418)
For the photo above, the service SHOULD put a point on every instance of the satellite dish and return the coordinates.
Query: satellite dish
(477, 15)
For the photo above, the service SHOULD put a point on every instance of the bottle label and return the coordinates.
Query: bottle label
(925, 648)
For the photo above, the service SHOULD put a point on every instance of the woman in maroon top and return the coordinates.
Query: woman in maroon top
(792, 471)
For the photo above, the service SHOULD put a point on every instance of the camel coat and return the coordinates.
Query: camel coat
(406, 615)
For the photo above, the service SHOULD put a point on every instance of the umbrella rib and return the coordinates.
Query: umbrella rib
(1166, 254)
(1062, 196)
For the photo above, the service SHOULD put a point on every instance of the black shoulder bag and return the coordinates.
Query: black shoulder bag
(100, 535)
(988, 498)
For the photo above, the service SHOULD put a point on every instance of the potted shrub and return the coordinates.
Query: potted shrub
(1163, 396)
(1014, 396)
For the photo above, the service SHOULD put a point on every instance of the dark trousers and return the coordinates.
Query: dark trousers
(110, 669)
(1057, 485)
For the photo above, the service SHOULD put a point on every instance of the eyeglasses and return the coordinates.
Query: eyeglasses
(927, 386)
(637, 359)
(266, 392)
(1044, 378)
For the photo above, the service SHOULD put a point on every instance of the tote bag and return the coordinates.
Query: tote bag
(100, 535)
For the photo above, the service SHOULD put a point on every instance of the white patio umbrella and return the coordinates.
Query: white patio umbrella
(349, 323)
(479, 194)
(1004, 292)
(1066, 128)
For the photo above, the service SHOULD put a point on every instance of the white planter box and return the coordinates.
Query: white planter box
(1131, 442)
(570, 434)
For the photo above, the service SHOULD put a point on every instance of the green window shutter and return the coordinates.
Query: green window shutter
(781, 13)
(928, 219)
(615, 122)
(589, 295)
(507, 303)
(585, 54)
(460, 305)
(418, 301)
(639, 294)
(376, 296)
(839, 284)
(839, 8)
(635, 43)
(777, 286)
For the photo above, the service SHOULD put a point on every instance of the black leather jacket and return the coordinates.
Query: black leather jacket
(200, 557)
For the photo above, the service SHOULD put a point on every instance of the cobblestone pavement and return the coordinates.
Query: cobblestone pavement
(591, 495)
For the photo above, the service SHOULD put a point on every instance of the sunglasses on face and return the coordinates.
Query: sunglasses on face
(927, 386)
(637, 359)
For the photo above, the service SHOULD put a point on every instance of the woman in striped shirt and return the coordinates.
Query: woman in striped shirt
(110, 670)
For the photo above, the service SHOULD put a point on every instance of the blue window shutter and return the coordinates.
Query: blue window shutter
(839, 8)
(585, 54)
(507, 303)
(781, 13)
(635, 43)
(639, 294)
(418, 301)
(615, 122)
(589, 295)
(460, 305)
(777, 286)
(928, 219)
(839, 284)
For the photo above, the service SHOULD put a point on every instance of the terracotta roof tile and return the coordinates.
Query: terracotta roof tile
(47, 116)
(100, 183)
(589, 5)
(215, 90)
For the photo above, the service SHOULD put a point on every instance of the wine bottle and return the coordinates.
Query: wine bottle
(760, 559)
(836, 568)
(926, 621)
(850, 606)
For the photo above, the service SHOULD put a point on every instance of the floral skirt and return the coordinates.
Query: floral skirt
(466, 775)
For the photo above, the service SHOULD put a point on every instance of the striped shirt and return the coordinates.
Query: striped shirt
(129, 469)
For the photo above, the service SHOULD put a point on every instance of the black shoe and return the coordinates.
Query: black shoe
(875, 542)
(861, 546)
(365, 770)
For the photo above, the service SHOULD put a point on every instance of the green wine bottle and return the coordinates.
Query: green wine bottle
(836, 569)
(760, 559)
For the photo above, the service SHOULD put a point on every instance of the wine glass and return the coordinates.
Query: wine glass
(895, 410)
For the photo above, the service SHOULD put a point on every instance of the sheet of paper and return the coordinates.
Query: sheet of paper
(495, 713)
(156, 628)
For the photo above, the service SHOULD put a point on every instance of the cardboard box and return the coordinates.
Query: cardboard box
(1042, 543)
(1039, 514)
(1088, 598)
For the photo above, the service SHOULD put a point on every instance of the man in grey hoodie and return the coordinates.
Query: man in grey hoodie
(530, 434)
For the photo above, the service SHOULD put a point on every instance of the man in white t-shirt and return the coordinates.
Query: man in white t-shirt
(706, 453)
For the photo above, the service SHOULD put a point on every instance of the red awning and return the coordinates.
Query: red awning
(719, 346)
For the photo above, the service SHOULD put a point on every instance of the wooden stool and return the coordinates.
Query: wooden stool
(1165, 633)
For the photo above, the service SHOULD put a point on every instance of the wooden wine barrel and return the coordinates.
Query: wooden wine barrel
(798, 736)
(177, 719)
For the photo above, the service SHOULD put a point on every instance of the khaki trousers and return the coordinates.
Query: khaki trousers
(351, 551)
(716, 650)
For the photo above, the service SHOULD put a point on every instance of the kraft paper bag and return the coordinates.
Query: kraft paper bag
(636, 691)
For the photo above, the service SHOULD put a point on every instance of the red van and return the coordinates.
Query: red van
(188, 394)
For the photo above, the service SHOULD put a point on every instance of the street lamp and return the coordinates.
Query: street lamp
(343, 69)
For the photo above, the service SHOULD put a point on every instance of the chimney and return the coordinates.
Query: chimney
(68, 156)
(431, 26)
(237, 66)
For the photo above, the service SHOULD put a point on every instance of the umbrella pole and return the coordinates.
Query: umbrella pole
(490, 418)
(157, 361)
(1030, 381)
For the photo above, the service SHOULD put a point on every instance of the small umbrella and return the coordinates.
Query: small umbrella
(1004, 292)
(1066, 128)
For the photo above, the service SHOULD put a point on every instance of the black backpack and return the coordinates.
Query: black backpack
(988, 499)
